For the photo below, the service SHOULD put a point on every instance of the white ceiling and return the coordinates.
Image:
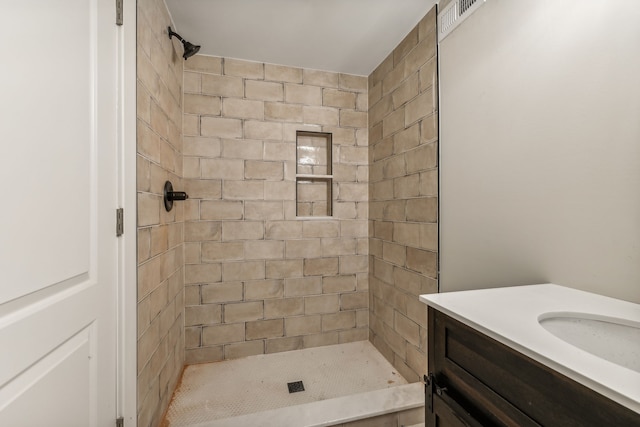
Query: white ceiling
(347, 36)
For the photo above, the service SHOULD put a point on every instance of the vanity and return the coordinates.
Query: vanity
(540, 355)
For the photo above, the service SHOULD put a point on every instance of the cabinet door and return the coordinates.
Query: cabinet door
(447, 413)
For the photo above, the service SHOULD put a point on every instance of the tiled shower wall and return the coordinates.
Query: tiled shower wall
(258, 280)
(160, 233)
(403, 197)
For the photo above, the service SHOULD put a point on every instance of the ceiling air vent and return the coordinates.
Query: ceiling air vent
(454, 13)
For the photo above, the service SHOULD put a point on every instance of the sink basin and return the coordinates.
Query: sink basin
(612, 339)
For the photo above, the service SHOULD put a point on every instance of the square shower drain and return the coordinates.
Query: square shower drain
(295, 386)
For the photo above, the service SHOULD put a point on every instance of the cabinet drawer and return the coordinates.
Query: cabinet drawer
(507, 388)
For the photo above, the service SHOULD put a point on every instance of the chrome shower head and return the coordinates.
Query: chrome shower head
(189, 48)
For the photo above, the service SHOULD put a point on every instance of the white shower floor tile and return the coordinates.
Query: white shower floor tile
(232, 388)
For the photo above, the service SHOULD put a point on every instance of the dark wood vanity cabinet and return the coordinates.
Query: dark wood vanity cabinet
(476, 381)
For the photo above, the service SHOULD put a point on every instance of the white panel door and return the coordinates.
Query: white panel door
(58, 250)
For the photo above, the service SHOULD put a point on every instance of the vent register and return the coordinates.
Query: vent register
(454, 14)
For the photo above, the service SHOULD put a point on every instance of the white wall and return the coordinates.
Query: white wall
(540, 147)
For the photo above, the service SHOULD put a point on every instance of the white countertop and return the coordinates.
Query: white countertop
(510, 316)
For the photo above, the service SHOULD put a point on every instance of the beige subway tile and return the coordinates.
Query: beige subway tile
(350, 264)
(283, 229)
(277, 345)
(220, 127)
(422, 106)
(423, 157)
(148, 209)
(202, 314)
(243, 312)
(279, 151)
(192, 337)
(407, 139)
(338, 321)
(222, 334)
(406, 186)
(338, 98)
(263, 130)
(429, 128)
(277, 269)
(353, 335)
(303, 325)
(264, 91)
(159, 239)
(320, 304)
(429, 183)
(243, 190)
(283, 112)
(244, 349)
(353, 83)
(192, 82)
(335, 284)
(349, 118)
(355, 228)
(279, 190)
(321, 115)
(190, 125)
(243, 270)
(282, 73)
(202, 273)
(308, 248)
(423, 209)
(202, 104)
(203, 189)
(407, 328)
(393, 79)
(353, 301)
(205, 64)
(301, 94)
(290, 130)
(395, 167)
(407, 234)
(264, 249)
(320, 340)
(222, 86)
(202, 230)
(353, 192)
(202, 147)
(222, 292)
(394, 253)
(254, 169)
(283, 307)
(393, 122)
(258, 210)
(429, 236)
(242, 149)
(243, 109)
(303, 286)
(319, 78)
(246, 69)
(232, 169)
(265, 329)
(242, 230)
(203, 355)
(191, 167)
(422, 261)
(320, 229)
(344, 210)
(406, 45)
(362, 102)
(321, 266)
(222, 251)
(354, 155)
(264, 290)
(144, 244)
(218, 209)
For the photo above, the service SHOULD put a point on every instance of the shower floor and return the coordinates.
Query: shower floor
(214, 391)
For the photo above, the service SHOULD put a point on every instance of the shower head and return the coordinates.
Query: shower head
(189, 48)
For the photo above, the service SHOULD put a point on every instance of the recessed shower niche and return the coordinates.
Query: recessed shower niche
(314, 175)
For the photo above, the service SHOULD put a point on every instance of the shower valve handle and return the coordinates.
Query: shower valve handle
(170, 195)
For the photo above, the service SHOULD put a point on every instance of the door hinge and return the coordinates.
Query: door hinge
(120, 422)
(119, 11)
(119, 222)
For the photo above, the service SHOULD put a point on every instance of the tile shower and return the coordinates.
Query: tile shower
(232, 272)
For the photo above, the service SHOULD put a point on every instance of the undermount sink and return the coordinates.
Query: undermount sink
(612, 339)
